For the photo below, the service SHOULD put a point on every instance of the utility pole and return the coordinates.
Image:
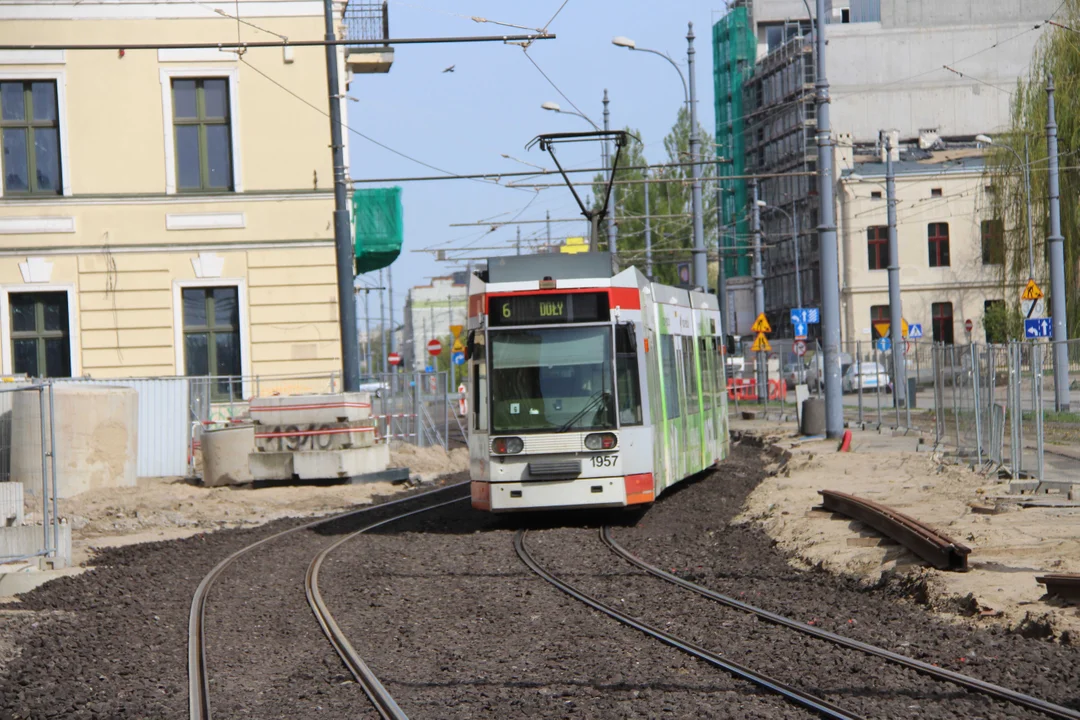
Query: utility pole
(701, 265)
(367, 333)
(350, 344)
(547, 215)
(759, 292)
(390, 293)
(795, 242)
(721, 271)
(382, 322)
(895, 310)
(1057, 263)
(648, 229)
(612, 231)
(830, 278)
(518, 239)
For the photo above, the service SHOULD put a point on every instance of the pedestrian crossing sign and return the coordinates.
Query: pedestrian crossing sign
(761, 325)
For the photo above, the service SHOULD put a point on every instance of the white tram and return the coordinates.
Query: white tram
(589, 388)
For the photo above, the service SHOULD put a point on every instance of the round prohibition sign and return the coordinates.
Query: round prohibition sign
(799, 347)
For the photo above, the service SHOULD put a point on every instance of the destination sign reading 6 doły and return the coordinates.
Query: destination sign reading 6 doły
(548, 308)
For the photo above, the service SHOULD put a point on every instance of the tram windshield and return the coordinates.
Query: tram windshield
(552, 380)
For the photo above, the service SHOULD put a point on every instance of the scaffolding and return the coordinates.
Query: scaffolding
(780, 138)
(734, 51)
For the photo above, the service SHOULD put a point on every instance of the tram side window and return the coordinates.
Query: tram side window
(629, 386)
(693, 406)
(479, 396)
(671, 377)
(707, 379)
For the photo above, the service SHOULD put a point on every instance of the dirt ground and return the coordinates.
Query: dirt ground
(173, 508)
(1008, 548)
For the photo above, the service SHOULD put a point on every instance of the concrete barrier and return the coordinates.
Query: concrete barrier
(225, 455)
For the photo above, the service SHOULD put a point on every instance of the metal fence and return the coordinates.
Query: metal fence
(27, 454)
(423, 409)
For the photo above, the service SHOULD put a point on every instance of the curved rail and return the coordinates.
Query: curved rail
(799, 697)
(381, 698)
(980, 686)
(198, 678)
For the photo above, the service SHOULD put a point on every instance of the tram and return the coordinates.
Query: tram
(589, 387)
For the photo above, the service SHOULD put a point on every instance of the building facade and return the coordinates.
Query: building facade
(933, 72)
(949, 245)
(153, 218)
(430, 310)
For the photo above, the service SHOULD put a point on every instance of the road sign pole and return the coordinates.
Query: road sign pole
(1057, 264)
(759, 285)
(895, 310)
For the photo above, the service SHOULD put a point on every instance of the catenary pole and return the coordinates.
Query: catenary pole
(648, 231)
(612, 229)
(701, 267)
(1059, 324)
(759, 291)
(350, 344)
(830, 278)
(896, 314)
(721, 271)
(382, 322)
(390, 304)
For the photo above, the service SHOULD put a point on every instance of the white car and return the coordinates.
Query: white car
(866, 375)
(372, 385)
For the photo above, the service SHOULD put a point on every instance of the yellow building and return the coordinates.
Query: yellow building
(168, 211)
(950, 271)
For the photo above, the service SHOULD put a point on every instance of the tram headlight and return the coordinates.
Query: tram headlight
(601, 441)
(507, 445)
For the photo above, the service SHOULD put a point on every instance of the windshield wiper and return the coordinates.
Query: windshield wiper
(597, 397)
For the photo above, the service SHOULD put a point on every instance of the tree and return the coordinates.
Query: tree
(672, 237)
(1057, 53)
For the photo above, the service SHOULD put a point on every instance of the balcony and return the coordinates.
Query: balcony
(368, 21)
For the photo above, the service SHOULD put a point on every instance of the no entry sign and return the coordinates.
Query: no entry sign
(393, 358)
(434, 347)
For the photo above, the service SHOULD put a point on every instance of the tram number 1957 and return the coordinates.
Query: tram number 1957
(604, 460)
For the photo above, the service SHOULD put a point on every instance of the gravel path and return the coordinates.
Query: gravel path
(444, 612)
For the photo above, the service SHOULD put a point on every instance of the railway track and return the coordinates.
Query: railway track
(198, 677)
(970, 683)
(792, 694)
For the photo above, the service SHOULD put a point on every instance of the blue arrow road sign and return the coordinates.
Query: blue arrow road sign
(806, 316)
(914, 331)
(813, 317)
(429, 369)
(800, 329)
(458, 358)
(798, 315)
(884, 344)
(1037, 328)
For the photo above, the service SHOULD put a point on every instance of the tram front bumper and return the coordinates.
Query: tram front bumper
(549, 494)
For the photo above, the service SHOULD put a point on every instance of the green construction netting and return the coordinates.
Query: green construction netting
(378, 228)
(734, 53)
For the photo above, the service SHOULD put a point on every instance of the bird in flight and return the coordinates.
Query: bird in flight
(449, 69)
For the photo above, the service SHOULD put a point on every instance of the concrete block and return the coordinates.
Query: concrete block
(11, 504)
(311, 409)
(271, 466)
(23, 540)
(225, 455)
(341, 463)
(323, 436)
(96, 428)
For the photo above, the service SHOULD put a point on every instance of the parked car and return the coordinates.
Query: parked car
(815, 370)
(867, 376)
(794, 374)
(373, 385)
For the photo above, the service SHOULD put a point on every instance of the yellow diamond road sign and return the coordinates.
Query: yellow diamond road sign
(459, 346)
(761, 325)
(761, 344)
(1031, 291)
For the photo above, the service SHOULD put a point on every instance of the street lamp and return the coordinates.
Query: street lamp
(554, 107)
(986, 139)
(700, 262)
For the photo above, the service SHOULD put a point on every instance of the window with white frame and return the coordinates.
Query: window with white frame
(30, 137)
(212, 338)
(202, 134)
(40, 341)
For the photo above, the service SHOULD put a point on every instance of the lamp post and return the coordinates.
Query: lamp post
(689, 94)
(1027, 191)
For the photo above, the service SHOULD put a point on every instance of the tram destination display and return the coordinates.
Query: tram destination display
(548, 309)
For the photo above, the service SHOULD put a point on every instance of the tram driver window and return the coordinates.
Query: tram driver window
(626, 380)
(478, 353)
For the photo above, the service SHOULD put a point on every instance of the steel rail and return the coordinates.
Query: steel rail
(799, 697)
(981, 686)
(1063, 585)
(380, 697)
(939, 550)
(198, 678)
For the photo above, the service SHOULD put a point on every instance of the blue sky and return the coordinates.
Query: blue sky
(466, 120)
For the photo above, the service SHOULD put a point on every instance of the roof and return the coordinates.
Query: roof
(959, 160)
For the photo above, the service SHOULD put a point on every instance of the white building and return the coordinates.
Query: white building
(430, 310)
